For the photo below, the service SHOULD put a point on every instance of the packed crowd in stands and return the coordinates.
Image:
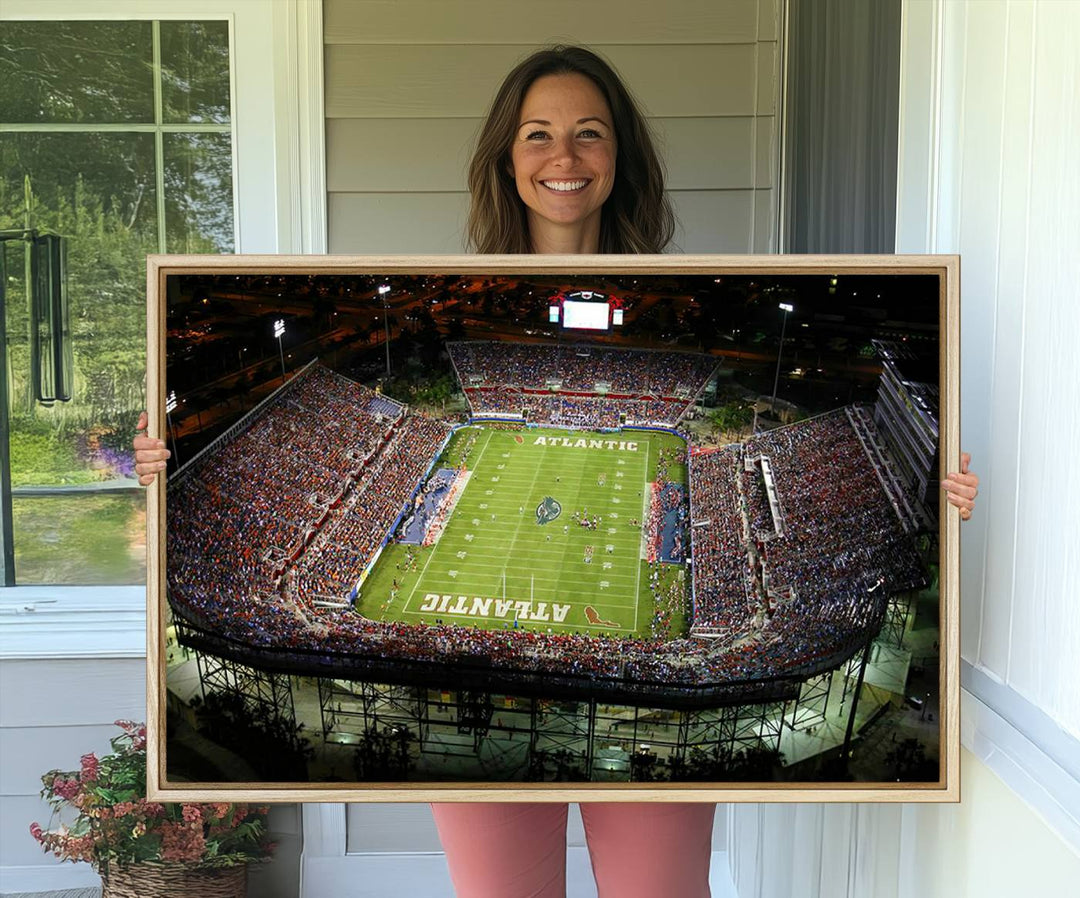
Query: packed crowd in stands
(842, 532)
(842, 540)
(563, 410)
(559, 385)
(356, 529)
(581, 367)
(721, 569)
(320, 474)
(292, 478)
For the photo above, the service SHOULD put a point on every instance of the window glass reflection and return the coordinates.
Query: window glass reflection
(195, 71)
(62, 72)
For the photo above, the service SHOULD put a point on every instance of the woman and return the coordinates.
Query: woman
(565, 164)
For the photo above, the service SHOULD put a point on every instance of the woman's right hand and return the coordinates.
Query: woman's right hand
(150, 454)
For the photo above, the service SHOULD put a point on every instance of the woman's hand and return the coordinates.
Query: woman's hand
(962, 487)
(150, 454)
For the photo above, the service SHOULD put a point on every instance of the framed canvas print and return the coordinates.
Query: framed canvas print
(565, 528)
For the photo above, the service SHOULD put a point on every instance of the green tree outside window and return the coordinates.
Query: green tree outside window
(118, 137)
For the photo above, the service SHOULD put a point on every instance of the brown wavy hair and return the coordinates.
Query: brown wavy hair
(637, 216)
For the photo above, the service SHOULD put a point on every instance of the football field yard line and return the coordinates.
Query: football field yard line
(513, 540)
(609, 574)
(435, 548)
(483, 449)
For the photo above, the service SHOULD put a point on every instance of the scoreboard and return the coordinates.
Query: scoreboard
(586, 310)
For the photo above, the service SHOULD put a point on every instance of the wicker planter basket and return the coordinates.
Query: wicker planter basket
(174, 881)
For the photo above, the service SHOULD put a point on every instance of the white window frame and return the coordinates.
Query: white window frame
(276, 89)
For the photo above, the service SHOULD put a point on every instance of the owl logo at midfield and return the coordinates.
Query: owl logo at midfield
(547, 511)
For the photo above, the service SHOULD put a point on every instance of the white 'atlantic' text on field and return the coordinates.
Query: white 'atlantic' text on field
(566, 442)
(500, 608)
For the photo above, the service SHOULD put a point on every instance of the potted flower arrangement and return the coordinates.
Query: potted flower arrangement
(144, 847)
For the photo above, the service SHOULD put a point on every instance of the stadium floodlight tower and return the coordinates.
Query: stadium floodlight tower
(384, 290)
(786, 307)
(279, 332)
(171, 402)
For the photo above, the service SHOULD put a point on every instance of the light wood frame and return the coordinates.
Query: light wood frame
(947, 789)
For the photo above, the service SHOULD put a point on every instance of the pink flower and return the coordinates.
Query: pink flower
(65, 788)
(36, 831)
(150, 808)
(181, 842)
(89, 767)
(218, 809)
(80, 848)
(192, 814)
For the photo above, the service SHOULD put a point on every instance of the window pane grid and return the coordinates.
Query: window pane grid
(104, 116)
(158, 127)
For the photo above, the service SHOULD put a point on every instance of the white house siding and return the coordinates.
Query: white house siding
(54, 711)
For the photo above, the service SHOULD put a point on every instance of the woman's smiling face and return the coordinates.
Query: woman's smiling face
(563, 156)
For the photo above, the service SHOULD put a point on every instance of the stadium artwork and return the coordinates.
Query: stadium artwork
(564, 528)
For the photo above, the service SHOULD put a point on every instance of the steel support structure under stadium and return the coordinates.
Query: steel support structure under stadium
(503, 737)
(810, 707)
(351, 708)
(471, 734)
(723, 732)
(267, 695)
(896, 618)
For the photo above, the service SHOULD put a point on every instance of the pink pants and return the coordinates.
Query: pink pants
(638, 850)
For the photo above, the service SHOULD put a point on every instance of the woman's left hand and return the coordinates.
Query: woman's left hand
(962, 487)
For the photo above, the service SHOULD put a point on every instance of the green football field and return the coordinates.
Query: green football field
(512, 550)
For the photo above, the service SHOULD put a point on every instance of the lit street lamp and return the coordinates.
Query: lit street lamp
(279, 332)
(786, 307)
(384, 289)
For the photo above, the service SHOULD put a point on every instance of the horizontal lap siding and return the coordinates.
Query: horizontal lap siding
(27, 752)
(460, 81)
(524, 22)
(396, 222)
(53, 712)
(79, 692)
(431, 155)
(408, 84)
